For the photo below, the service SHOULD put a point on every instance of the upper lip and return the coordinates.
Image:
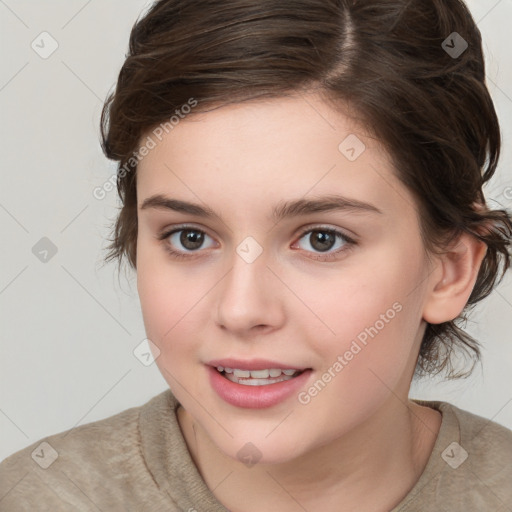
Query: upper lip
(253, 364)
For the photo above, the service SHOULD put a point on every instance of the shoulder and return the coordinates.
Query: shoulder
(485, 444)
(71, 467)
(484, 451)
(488, 446)
(483, 435)
(470, 467)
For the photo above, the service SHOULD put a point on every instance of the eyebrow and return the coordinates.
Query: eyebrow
(282, 210)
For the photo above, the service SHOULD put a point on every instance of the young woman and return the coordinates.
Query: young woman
(301, 186)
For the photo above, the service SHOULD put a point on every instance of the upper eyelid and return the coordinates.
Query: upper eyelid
(165, 233)
(321, 227)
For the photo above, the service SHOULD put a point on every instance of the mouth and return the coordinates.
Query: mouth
(258, 383)
(262, 377)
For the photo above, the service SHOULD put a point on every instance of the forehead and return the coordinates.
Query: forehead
(266, 150)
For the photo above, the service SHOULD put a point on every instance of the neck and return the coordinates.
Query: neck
(371, 468)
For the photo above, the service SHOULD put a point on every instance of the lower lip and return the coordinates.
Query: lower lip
(255, 397)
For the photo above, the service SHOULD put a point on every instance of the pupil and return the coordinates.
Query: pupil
(322, 240)
(191, 239)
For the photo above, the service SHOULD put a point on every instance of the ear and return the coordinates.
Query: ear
(453, 279)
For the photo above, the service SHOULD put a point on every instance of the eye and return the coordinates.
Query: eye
(323, 239)
(189, 238)
(320, 239)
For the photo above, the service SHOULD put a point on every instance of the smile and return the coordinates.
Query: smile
(256, 384)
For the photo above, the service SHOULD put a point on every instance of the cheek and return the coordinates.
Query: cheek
(167, 304)
(372, 311)
(167, 299)
(365, 364)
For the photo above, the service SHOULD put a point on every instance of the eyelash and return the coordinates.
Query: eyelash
(349, 242)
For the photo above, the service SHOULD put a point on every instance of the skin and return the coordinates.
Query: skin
(360, 444)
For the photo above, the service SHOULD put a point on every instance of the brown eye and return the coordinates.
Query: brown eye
(191, 239)
(322, 240)
(185, 240)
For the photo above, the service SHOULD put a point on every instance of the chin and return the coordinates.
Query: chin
(251, 447)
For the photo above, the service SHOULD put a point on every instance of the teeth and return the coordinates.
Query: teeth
(257, 382)
(256, 374)
(257, 377)
(260, 374)
(242, 373)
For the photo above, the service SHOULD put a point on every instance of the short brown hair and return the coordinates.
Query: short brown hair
(387, 59)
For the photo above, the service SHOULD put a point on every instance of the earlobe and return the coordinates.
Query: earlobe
(454, 279)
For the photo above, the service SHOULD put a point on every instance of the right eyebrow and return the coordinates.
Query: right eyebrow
(161, 202)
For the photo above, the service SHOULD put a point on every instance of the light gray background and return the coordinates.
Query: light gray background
(68, 327)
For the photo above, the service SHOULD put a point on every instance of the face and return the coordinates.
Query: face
(334, 293)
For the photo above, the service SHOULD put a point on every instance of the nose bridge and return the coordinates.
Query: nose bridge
(249, 294)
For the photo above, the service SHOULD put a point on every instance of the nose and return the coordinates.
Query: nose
(250, 298)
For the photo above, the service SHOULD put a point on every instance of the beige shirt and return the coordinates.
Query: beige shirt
(138, 460)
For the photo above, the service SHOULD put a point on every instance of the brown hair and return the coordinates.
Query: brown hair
(387, 59)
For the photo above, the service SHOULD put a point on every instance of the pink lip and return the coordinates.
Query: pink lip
(253, 364)
(254, 397)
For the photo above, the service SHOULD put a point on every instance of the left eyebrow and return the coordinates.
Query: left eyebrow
(321, 204)
(282, 210)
